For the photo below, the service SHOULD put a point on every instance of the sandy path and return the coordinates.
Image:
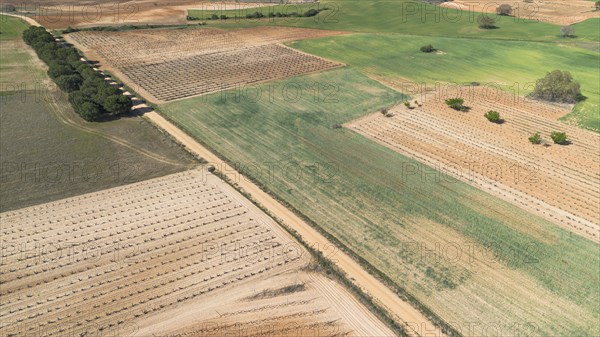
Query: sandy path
(25, 18)
(402, 310)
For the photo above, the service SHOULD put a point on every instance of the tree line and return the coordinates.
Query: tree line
(90, 95)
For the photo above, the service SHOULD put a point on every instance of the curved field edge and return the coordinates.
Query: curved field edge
(376, 212)
(508, 65)
(49, 152)
(402, 16)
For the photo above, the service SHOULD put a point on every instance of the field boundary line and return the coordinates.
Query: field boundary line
(403, 310)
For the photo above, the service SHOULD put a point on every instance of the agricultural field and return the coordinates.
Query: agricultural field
(49, 153)
(364, 195)
(73, 13)
(560, 12)
(184, 254)
(407, 17)
(497, 157)
(337, 118)
(505, 65)
(166, 65)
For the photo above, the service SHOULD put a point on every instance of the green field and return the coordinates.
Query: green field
(393, 31)
(49, 153)
(511, 65)
(407, 17)
(11, 27)
(355, 190)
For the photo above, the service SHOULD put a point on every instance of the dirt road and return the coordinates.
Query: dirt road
(403, 311)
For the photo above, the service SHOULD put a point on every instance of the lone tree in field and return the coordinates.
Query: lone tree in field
(493, 116)
(427, 48)
(456, 104)
(535, 138)
(597, 5)
(504, 9)
(557, 86)
(567, 31)
(485, 22)
(559, 137)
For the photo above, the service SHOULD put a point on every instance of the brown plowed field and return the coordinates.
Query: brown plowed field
(560, 12)
(165, 65)
(558, 182)
(77, 13)
(173, 254)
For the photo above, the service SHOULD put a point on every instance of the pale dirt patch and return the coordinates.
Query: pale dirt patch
(559, 183)
(161, 256)
(560, 12)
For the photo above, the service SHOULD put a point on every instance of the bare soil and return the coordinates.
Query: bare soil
(163, 256)
(558, 182)
(165, 65)
(560, 12)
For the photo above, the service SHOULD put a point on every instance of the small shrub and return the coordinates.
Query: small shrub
(486, 22)
(407, 104)
(493, 116)
(504, 9)
(597, 5)
(559, 137)
(567, 31)
(384, 111)
(536, 138)
(427, 49)
(456, 104)
(310, 12)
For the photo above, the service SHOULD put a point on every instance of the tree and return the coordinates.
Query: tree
(485, 22)
(493, 116)
(427, 48)
(456, 104)
(89, 111)
(504, 9)
(56, 69)
(557, 86)
(69, 83)
(310, 12)
(559, 137)
(535, 138)
(567, 31)
(597, 5)
(118, 104)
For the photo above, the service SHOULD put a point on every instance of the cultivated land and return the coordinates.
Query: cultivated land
(49, 153)
(184, 254)
(356, 190)
(166, 65)
(408, 18)
(560, 12)
(513, 66)
(498, 158)
(473, 259)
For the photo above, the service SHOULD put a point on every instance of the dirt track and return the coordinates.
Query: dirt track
(402, 310)
(143, 255)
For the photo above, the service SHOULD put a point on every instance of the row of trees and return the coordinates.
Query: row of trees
(258, 15)
(89, 94)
